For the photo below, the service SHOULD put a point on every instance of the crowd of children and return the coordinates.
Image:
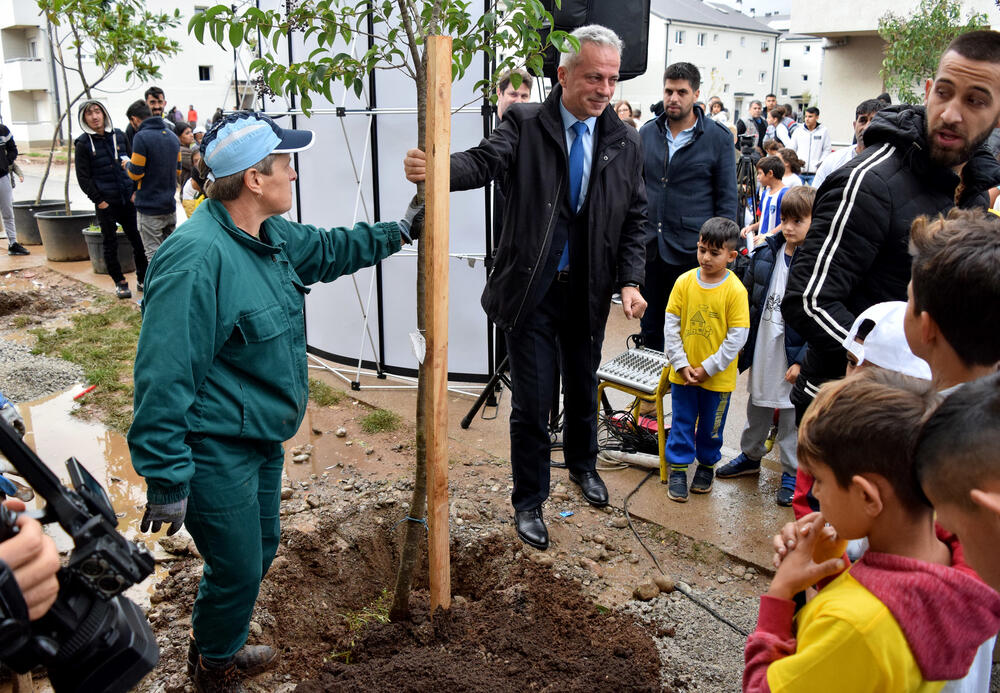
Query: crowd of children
(898, 500)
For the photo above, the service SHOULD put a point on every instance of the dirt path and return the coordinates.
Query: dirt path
(565, 619)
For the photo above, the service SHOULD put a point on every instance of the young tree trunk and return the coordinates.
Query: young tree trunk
(416, 533)
(69, 129)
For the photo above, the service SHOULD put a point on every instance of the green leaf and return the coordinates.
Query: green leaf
(235, 35)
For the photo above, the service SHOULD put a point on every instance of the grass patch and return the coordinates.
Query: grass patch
(21, 321)
(324, 395)
(376, 612)
(380, 420)
(103, 343)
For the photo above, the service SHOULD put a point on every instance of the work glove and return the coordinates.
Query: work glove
(412, 224)
(167, 513)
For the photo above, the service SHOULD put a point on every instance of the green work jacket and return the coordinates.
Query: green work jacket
(222, 350)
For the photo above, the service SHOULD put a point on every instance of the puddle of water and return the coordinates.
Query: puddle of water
(56, 435)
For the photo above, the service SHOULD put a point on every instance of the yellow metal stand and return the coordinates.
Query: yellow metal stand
(657, 398)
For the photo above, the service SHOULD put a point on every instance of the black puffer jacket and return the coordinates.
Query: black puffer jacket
(857, 251)
(99, 161)
(9, 153)
(527, 152)
(757, 281)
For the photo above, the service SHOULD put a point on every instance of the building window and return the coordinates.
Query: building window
(701, 39)
(204, 73)
(725, 88)
(678, 37)
(761, 76)
(739, 73)
(198, 9)
(786, 63)
(806, 48)
(784, 91)
(729, 55)
(743, 41)
(715, 38)
(805, 78)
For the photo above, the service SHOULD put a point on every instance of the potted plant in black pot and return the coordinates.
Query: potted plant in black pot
(112, 35)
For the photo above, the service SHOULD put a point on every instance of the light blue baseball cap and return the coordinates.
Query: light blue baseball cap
(241, 139)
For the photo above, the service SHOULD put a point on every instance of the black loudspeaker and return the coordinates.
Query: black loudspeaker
(627, 18)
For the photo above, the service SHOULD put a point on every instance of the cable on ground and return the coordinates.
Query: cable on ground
(678, 586)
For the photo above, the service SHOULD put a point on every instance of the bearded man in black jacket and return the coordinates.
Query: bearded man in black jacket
(917, 160)
(572, 234)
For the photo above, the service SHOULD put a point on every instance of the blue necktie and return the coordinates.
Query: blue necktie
(575, 180)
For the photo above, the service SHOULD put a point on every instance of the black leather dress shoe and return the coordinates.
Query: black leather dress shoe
(592, 486)
(531, 528)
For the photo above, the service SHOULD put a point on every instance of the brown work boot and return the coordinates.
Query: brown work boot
(250, 660)
(222, 677)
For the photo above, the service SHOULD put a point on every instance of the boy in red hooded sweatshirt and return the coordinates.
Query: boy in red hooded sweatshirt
(910, 614)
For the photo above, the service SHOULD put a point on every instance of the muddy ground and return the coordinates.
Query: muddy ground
(565, 619)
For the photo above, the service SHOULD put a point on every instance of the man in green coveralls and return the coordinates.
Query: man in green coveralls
(221, 374)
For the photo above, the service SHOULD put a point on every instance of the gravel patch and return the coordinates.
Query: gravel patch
(25, 376)
(698, 653)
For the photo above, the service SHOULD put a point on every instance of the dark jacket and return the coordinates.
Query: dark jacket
(857, 251)
(527, 152)
(9, 150)
(98, 161)
(155, 165)
(757, 280)
(698, 183)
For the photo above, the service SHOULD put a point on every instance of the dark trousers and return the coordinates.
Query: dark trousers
(232, 515)
(660, 278)
(109, 218)
(555, 335)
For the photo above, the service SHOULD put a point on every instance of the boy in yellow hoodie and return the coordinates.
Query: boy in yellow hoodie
(910, 614)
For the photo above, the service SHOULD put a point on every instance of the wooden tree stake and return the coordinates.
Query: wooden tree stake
(436, 359)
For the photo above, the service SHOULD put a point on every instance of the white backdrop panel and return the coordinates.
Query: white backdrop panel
(328, 191)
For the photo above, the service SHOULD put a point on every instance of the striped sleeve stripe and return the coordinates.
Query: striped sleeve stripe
(810, 297)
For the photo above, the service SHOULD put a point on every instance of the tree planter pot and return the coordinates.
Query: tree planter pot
(62, 235)
(24, 219)
(95, 246)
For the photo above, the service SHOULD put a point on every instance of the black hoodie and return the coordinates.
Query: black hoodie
(856, 253)
(99, 161)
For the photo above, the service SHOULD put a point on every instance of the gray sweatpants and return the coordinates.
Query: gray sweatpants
(7, 208)
(154, 229)
(759, 420)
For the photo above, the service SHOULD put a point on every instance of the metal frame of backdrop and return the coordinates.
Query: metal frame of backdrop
(364, 321)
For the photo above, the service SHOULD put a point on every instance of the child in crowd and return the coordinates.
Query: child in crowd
(769, 173)
(959, 470)
(772, 147)
(774, 351)
(954, 296)
(793, 167)
(909, 615)
(706, 326)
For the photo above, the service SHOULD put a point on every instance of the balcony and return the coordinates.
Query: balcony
(19, 13)
(25, 74)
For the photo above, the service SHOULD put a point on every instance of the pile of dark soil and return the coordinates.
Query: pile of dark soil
(513, 625)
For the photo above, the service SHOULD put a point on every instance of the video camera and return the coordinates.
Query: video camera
(93, 638)
(747, 142)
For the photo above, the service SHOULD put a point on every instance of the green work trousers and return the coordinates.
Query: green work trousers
(232, 515)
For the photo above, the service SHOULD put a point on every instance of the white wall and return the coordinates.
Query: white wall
(832, 18)
(720, 76)
(805, 57)
(851, 74)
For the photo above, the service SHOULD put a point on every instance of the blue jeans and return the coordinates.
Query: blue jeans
(698, 422)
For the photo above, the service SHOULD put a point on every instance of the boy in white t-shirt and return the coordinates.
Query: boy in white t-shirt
(773, 351)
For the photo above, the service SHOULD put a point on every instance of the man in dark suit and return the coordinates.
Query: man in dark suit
(572, 235)
(690, 172)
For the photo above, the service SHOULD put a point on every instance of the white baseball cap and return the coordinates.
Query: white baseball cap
(885, 344)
